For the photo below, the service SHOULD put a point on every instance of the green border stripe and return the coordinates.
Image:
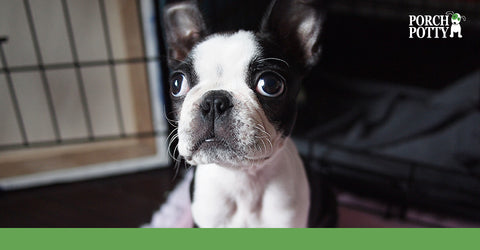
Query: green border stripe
(385, 239)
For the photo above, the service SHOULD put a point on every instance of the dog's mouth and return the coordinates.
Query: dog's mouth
(217, 148)
(233, 142)
(211, 142)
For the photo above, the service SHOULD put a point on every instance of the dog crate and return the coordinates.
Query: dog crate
(391, 122)
(395, 120)
(80, 92)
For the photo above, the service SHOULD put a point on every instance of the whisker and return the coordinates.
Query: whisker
(172, 133)
(180, 61)
(264, 135)
(172, 122)
(264, 146)
(256, 147)
(274, 59)
(170, 139)
(271, 145)
(175, 150)
(176, 167)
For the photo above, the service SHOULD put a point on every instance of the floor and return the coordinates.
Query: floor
(122, 201)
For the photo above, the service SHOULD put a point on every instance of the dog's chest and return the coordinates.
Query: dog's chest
(228, 198)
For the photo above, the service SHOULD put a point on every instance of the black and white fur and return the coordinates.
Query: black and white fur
(234, 96)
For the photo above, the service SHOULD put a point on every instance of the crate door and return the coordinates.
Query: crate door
(78, 90)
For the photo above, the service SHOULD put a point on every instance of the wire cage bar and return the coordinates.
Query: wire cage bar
(42, 67)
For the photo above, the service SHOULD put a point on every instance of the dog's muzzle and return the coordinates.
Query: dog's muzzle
(216, 105)
(214, 122)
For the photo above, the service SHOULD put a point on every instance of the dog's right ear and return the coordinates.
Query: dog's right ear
(296, 25)
(184, 27)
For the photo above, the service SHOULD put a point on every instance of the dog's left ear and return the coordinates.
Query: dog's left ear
(184, 27)
(295, 26)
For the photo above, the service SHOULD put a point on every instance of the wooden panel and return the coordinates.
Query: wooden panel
(87, 30)
(139, 87)
(100, 98)
(67, 103)
(13, 23)
(51, 30)
(125, 93)
(9, 129)
(33, 106)
(141, 98)
(125, 30)
(28, 161)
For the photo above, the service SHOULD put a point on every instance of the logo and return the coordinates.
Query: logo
(436, 26)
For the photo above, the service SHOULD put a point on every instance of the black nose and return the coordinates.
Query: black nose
(216, 103)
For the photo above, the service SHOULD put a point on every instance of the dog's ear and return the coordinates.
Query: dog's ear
(295, 25)
(184, 27)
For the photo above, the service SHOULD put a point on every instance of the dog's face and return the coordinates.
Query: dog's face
(222, 93)
(234, 93)
(456, 18)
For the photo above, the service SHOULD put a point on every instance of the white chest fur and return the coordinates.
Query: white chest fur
(274, 195)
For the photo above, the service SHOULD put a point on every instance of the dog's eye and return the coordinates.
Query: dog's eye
(270, 84)
(179, 85)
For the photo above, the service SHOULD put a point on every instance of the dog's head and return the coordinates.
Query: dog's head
(456, 18)
(234, 94)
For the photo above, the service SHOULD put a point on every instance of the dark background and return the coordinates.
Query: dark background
(362, 40)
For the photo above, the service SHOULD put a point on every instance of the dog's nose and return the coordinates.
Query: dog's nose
(216, 103)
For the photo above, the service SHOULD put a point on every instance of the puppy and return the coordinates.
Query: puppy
(456, 28)
(234, 97)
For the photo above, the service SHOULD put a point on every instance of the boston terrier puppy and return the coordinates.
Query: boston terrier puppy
(234, 98)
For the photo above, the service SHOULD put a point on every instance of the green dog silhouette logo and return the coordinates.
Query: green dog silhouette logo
(455, 27)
